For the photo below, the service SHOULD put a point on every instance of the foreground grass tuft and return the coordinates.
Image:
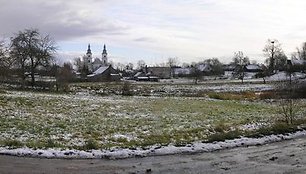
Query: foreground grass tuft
(13, 143)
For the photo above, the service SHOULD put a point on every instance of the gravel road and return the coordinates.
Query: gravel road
(280, 157)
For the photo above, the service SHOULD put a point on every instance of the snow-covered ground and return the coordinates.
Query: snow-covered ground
(228, 78)
(150, 151)
(71, 121)
(145, 124)
(282, 76)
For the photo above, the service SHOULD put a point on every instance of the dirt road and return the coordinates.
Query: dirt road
(281, 157)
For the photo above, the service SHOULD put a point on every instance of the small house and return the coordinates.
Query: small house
(253, 68)
(104, 74)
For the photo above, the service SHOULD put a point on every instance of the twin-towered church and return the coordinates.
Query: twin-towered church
(99, 69)
(93, 65)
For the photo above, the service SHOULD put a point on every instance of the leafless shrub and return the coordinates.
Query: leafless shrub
(127, 89)
(289, 108)
(289, 104)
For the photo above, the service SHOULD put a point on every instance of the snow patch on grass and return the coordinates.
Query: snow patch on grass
(118, 153)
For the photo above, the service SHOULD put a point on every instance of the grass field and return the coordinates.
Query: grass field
(40, 120)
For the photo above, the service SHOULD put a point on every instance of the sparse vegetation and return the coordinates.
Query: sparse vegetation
(222, 136)
(87, 122)
(94, 121)
(275, 128)
(127, 89)
(91, 144)
(12, 143)
(233, 96)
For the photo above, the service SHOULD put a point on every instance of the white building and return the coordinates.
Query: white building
(94, 64)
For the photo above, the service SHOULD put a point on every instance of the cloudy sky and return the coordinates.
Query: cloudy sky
(154, 30)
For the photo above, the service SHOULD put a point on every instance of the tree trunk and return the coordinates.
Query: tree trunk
(32, 73)
(264, 80)
(32, 79)
(242, 77)
(23, 77)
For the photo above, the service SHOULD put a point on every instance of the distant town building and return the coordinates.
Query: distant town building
(180, 72)
(161, 72)
(253, 68)
(91, 65)
(98, 69)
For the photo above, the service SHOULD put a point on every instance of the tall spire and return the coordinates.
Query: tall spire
(104, 56)
(104, 50)
(88, 50)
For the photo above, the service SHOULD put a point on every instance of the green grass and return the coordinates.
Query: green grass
(84, 122)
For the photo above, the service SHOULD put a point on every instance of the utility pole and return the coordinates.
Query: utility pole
(272, 61)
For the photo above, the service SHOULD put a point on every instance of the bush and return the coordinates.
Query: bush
(276, 128)
(221, 127)
(215, 95)
(288, 102)
(289, 109)
(51, 143)
(91, 144)
(301, 91)
(13, 143)
(127, 89)
(233, 96)
(224, 136)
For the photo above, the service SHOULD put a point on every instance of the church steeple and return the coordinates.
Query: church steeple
(104, 50)
(104, 56)
(88, 50)
(88, 59)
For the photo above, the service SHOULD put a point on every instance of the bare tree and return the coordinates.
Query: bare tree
(129, 66)
(185, 65)
(196, 73)
(301, 52)
(120, 66)
(64, 75)
(288, 102)
(240, 61)
(263, 73)
(5, 61)
(141, 64)
(78, 64)
(31, 50)
(276, 59)
(172, 62)
(216, 66)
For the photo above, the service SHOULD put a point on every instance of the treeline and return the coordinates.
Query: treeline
(29, 55)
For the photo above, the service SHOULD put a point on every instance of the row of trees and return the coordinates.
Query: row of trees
(276, 60)
(27, 53)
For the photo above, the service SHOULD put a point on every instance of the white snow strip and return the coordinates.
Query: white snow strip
(151, 151)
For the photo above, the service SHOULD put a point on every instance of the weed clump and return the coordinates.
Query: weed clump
(13, 143)
(222, 136)
(127, 89)
(91, 144)
(233, 95)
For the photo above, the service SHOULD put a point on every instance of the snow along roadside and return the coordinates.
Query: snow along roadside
(151, 151)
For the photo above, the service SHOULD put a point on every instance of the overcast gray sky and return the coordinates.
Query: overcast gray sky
(154, 30)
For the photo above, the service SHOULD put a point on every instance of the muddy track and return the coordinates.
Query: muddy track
(280, 157)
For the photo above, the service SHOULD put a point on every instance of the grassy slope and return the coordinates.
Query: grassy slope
(43, 120)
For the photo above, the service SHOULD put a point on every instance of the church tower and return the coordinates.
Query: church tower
(89, 54)
(104, 56)
(88, 59)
